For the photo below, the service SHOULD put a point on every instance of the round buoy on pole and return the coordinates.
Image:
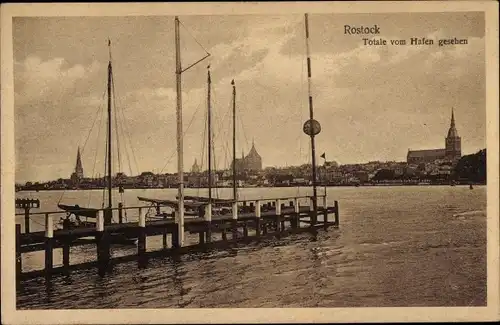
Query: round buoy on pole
(311, 127)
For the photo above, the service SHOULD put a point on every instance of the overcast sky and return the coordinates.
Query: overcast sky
(373, 102)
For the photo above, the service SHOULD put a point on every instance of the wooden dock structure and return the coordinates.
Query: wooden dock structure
(265, 217)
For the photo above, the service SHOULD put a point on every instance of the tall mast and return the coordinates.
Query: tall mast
(209, 120)
(311, 116)
(180, 166)
(234, 141)
(110, 80)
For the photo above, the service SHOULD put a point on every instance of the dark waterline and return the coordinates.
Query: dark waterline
(398, 246)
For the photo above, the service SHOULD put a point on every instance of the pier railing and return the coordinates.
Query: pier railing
(257, 206)
(265, 216)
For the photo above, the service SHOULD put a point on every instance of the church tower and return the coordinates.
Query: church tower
(78, 166)
(77, 175)
(453, 149)
(195, 168)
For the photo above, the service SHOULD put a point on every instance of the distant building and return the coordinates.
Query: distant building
(250, 162)
(195, 168)
(452, 150)
(77, 175)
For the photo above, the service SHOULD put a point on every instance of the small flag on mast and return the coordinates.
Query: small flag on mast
(323, 156)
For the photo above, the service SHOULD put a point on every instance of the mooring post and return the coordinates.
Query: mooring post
(337, 214)
(49, 244)
(26, 219)
(19, 259)
(102, 244)
(224, 234)
(245, 230)
(208, 222)
(234, 221)
(282, 217)
(164, 232)
(278, 214)
(312, 213)
(120, 212)
(175, 233)
(258, 218)
(296, 214)
(66, 247)
(141, 240)
(325, 213)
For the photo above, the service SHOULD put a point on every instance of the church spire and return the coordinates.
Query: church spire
(452, 131)
(452, 125)
(78, 166)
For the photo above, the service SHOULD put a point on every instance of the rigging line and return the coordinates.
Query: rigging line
(125, 130)
(187, 30)
(243, 131)
(174, 151)
(97, 149)
(121, 126)
(116, 126)
(105, 169)
(93, 123)
(84, 145)
(129, 138)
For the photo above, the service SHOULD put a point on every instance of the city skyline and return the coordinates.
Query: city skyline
(374, 103)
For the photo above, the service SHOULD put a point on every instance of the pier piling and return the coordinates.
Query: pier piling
(208, 222)
(266, 220)
(120, 212)
(27, 220)
(49, 245)
(164, 235)
(141, 240)
(234, 221)
(66, 247)
(102, 244)
(175, 233)
(337, 214)
(19, 260)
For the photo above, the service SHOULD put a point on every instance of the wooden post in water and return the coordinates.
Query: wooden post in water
(224, 234)
(66, 247)
(164, 233)
(278, 214)
(208, 222)
(19, 259)
(234, 221)
(102, 244)
(175, 234)
(296, 215)
(120, 212)
(49, 245)
(141, 240)
(311, 211)
(282, 217)
(337, 214)
(325, 213)
(26, 219)
(258, 219)
(245, 230)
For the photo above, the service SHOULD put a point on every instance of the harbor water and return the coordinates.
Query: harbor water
(397, 246)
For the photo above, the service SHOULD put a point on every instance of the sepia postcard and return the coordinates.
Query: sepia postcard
(249, 162)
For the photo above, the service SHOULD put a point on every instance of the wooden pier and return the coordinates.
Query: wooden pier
(265, 217)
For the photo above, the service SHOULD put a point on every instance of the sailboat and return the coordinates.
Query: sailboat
(194, 208)
(219, 206)
(90, 214)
